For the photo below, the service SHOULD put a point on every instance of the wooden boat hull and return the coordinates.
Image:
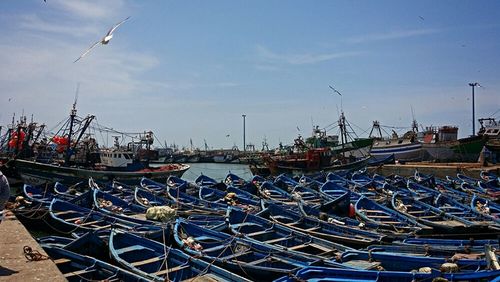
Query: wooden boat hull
(38, 173)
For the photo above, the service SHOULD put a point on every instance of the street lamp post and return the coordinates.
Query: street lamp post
(474, 84)
(244, 143)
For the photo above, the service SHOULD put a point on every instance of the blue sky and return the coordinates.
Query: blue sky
(190, 69)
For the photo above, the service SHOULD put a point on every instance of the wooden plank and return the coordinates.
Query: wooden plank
(77, 273)
(276, 240)
(61, 260)
(173, 269)
(146, 261)
(260, 233)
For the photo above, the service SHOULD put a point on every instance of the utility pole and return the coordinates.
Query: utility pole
(473, 84)
(244, 143)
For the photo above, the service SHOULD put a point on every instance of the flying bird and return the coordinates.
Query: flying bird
(422, 18)
(105, 40)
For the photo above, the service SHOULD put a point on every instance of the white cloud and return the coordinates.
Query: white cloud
(89, 9)
(34, 22)
(391, 35)
(301, 59)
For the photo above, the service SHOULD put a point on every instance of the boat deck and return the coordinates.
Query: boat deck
(13, 264)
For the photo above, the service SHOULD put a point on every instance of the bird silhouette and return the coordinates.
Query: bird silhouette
(105, 40)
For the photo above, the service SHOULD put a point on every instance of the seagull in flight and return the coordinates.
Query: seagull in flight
(105, 40)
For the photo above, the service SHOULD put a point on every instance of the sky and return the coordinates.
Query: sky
(189, 70)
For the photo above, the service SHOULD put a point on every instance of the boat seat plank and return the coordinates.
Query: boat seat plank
(391, 222)
(78, 273)
(130, 249)
(61, 260)
(72, 219)
(275, 240)
(89, 223)
(146, 261)
(380, 216)
(238, 225)
(416, 212)
(170, 270)
(63, 212)
(428, 216)
(256, 262)
(260, 233)
(214, 248)
(102, 227)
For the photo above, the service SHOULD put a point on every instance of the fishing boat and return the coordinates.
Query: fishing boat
(76, 267)
(429, 215)
(157, 262)
(486, 207)
(405, 148)
(79, 158)
(442, 145)
(253, 260)
(282, 238)
(319, 153)
(67, 217)
(378, 214)
(292, 218)
(312, 161)
(341, 275)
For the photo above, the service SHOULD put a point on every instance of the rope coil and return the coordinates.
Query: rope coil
(33, 255)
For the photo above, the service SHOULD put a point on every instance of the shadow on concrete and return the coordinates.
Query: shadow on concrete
(6, 272)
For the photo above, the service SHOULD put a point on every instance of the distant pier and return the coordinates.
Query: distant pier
(440, 170)
(14, 266)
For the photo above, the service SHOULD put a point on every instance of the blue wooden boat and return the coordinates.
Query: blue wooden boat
(429, 215)
(157, 262)
(71, 190)
(76, 267)
(39, 194)
(486, 207)
(403, 262)
(280, 237)
(237, 200)
(204, 180)
(152, 186)
(110, 204)
(375, 213)
(67, 217)
(206, 217)
(427, 250)
(178, 195)
(232, 179)
(250, 259)
(489, 176)
(55, 241)
(148, 199)
(451, 206)
(471, 243)
(312, 273)
(333, 232)
(270, 191)
(338, 214)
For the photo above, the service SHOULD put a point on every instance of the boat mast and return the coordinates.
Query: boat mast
(72, 117)
(343, 132)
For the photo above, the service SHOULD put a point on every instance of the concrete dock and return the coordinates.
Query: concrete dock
(440, 170)
(14, 266)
